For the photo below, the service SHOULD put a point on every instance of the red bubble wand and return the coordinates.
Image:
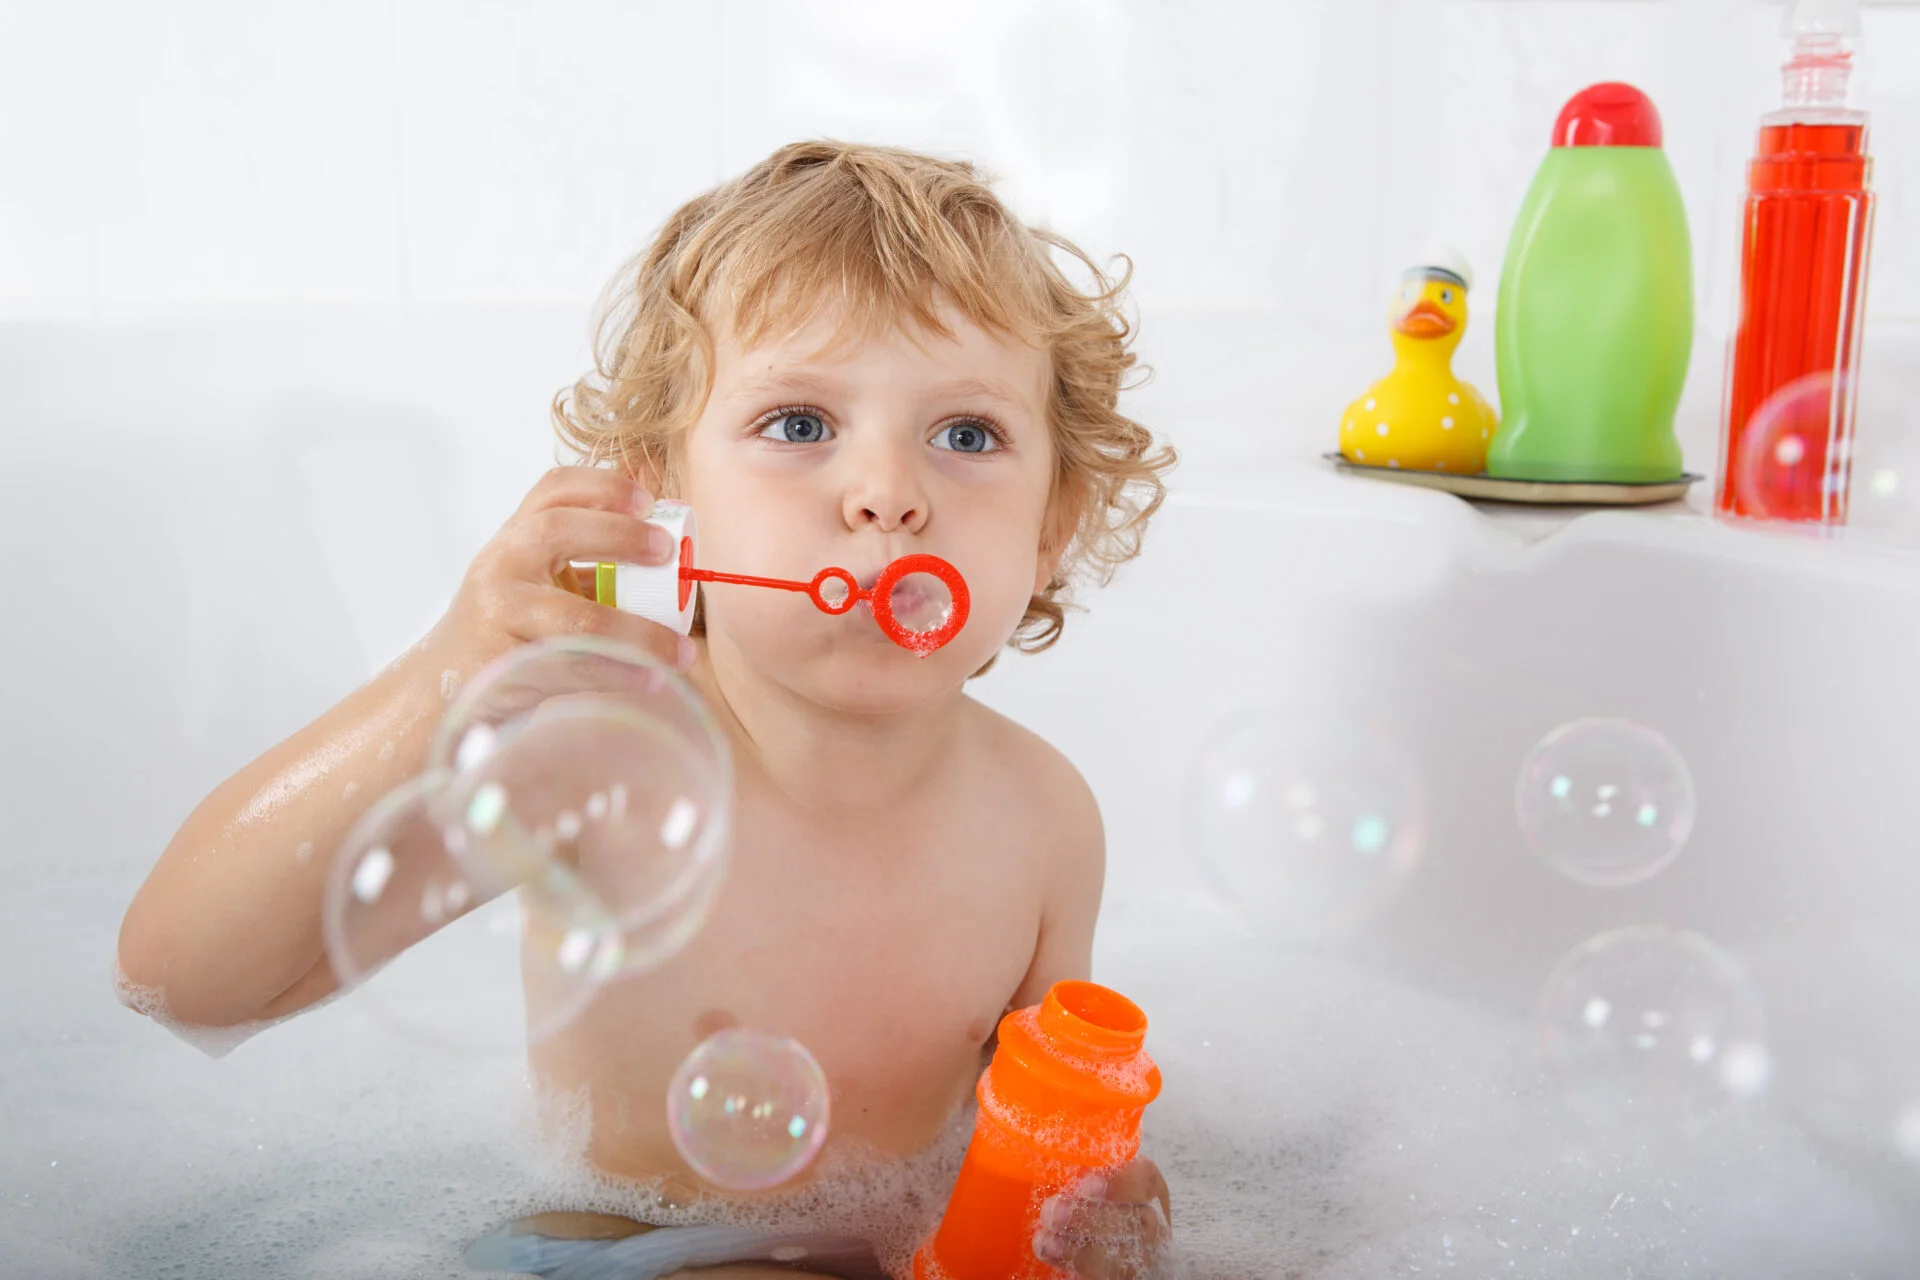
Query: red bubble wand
(920, 601)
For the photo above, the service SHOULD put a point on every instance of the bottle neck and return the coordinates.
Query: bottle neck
(1813, 85)
(1816, 74)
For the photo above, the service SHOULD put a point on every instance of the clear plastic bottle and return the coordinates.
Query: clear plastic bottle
(1803, 284)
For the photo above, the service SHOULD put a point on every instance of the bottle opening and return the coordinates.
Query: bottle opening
(1093, 1019)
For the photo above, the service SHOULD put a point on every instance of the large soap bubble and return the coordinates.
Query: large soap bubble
(748, 1110)
(1306, 819)
(1787, 465)
(1790, 463)
(1606, 802)
(449, 955)
(604, 761)
(1657, 1017)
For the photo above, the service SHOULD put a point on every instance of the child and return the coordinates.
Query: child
(846, 355)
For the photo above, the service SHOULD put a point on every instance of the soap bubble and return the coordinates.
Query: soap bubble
(1306, 820)
(748, 1110)
(610, 793)
(1606, 802)
(1787, 466)
(451, 956)
(588, 754)
(921, 603)
(499, 701)
(1659, 1017)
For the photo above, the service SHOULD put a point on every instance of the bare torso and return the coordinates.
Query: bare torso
(887, 943)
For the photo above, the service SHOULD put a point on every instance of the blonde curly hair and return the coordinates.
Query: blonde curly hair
(886, 236)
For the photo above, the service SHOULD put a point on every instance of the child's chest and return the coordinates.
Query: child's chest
(889, 952)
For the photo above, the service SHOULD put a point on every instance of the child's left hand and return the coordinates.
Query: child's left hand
(1116, 1225)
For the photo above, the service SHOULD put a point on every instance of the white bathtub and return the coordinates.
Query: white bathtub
(218, 527)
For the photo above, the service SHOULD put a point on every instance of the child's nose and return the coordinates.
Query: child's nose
(886, 497)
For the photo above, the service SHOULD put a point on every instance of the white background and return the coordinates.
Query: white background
(1269, 167)
(1268, 157)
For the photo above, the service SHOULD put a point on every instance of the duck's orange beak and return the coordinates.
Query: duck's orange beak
(1424, 320)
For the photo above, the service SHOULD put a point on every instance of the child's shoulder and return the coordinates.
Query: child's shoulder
(1033, 776)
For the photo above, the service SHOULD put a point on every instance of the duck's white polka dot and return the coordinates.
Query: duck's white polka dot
(1440, 466)
(1483, 433)
(1380, 430)
(1368, 404)
(1453, 397)
(1394, 463)
(1446, 424)
(1359, 455)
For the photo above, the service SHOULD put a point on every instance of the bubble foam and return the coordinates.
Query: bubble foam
(151, 1003)
(1319, 1118)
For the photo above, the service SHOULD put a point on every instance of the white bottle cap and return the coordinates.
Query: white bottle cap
(654, 590)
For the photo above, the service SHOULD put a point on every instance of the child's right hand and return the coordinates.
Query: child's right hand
(521, 586)
(1116, 1225)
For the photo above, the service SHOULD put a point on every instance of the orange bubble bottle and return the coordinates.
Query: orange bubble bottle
(1062, 1098)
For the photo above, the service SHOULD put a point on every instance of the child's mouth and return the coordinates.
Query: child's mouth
(918, 604)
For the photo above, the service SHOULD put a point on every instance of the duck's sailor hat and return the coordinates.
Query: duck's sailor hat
(1441, 262)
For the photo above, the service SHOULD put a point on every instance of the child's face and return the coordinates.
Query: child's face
(807, 457)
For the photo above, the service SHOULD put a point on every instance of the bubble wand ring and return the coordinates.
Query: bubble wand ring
(920, 642)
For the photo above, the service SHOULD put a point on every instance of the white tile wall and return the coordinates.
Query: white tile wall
(1266, 165)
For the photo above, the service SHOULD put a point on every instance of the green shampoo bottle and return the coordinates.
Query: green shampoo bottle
(1595, 320)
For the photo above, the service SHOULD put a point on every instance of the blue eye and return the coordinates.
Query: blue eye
(797, 428)
(965, 437)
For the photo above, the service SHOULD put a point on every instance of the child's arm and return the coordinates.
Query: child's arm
(1070, 818)
(227, 925)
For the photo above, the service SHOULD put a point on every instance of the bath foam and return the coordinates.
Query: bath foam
(215, 1042)
(427, 1154)
(1359, 1128)
(1339, 1159)
(1347, 1127)
(853, 1189)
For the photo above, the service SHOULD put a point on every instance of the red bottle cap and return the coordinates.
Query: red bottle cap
(1608, 115)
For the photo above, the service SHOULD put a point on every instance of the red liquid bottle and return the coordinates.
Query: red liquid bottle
(1791, 386)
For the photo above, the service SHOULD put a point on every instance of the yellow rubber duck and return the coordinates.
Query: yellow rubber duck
(1420, 417)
